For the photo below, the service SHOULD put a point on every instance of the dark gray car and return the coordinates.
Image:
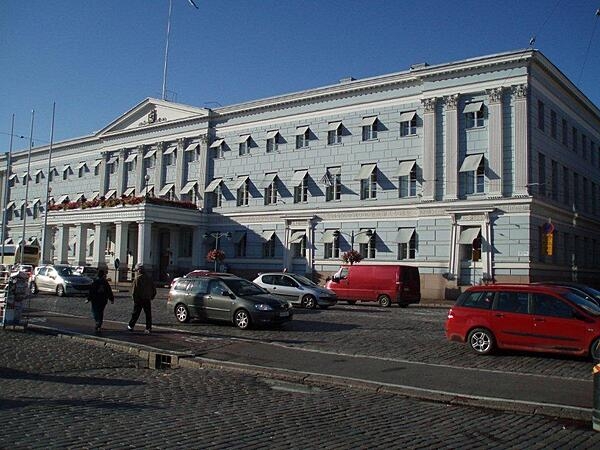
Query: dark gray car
(226, 298)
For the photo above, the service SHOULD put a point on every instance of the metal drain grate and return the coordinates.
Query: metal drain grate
(162, 361)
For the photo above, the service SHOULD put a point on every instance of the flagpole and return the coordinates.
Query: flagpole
(6, 195)
(22, 244)
(44, 229)
(164, 85)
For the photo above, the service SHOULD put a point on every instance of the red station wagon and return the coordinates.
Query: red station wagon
(525, 317)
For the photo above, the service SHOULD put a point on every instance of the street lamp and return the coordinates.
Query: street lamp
(217, 235)
(146, 179)
(352, 235)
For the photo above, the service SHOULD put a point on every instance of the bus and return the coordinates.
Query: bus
(10, 254)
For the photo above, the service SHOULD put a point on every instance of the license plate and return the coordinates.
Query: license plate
(284, 314)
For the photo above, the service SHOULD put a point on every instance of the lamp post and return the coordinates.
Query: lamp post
(217, 235)
(146, 179)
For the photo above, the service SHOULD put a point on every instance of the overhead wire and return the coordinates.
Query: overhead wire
(587, 52)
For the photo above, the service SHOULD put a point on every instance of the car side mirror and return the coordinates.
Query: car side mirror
(335, 279)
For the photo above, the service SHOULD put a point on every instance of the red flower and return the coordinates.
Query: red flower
(215, 255)
(352, 256)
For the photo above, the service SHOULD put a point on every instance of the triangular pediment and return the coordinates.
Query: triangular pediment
(153, 112)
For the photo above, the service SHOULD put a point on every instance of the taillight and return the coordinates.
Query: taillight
(450, 314)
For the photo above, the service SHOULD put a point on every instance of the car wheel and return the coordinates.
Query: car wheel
(351, 302)
(241, 319)
(481, 341)
(309, 302)
(595, 351)
(182, 314)
(384, 300)
(60, 290)
(33, 288)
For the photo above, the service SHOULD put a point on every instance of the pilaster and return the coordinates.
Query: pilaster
(99, 257)
(451, 148)
(521, 159)
(121, 178)
(179, 166)
(139, 170)
(429, 143)
(81, 239)
(62, 256)
(496, 142)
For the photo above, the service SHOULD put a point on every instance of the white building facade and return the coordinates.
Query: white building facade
(483, 169)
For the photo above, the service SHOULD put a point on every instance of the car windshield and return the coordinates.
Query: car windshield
(593, 292)
(242, 287)
(303, 280)
(64, 271)
(583, 303)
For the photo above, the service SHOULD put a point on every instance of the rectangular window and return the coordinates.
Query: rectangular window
(333, 187)
(334, 133)
(240, 247)
(586, 194)
(185, 242)
(301, 191)
(407, 244)
(243, 194)
(553, 124)
(541, 114)
(408, 124)
(302, 137)
(593, 156)
(564, 132)
(218, 196)
(566, 183)
(576, 199)
(368, 186)
(474, 116)
(271, 193)
(407, 184)
(331, 249)
(369, 128)
(574, 139)
(367, 249)
(299, 248)
(594, 199)
(554, 192)
(473, 168)
(268, 247)
(584, 146)
(541, 174)
(243, 148)
(272, 141)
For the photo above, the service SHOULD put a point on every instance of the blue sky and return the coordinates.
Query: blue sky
(98, 58)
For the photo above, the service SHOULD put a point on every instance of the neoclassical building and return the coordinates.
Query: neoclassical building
(476, 170)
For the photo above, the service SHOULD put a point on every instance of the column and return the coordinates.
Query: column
(429, 154)
(121, 179)
(197, 247)
(173, 248)
(203, 172)
(103, 174)
(144, 251)
(99, 258)
(140, 182)
(310, 247)
(121, 242)
(179, 166)
(81, 240)
(451, 148)
(159, 176)
(487, 248)
(521, 157)
(496, 142)
(47, 239)
(62, 256)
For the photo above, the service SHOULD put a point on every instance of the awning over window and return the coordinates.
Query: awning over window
(267, 235)
(473, 107)
(131, 158)
(10, 205)
(238, 236)
(192, 147)
(212, 186)
(240, 181)
(147, 190)
(66, 167)
(112, 160)
(297, 237)
(8, 241)
(13, 176)
(34, 202)
(97, 163)
(243, 138)
(468, 235)
(301, 130)
(25, 175)
(268, 179)
(328, 236)
(405, 168)
(94, 195)
(271, 134)
(407, 116)
(81, 165)
(150, 154)
(78, 197)
(217, 143)
(365, 171)
(170, 149)
(333, 126)
(188, 187)
(21, 204)
(39, 171)
(109, 193)
(404, 235)
(362, 238)
(33, 241)
(129, 191)
(62, 199)
(471, 163)
(298, 177)
(368, 121)
(166, 188)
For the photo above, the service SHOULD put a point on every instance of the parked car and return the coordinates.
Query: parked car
(60, 279)
(87, 271)
(385, 284)
(26, 268)
(228, 298)
(296, 289)
(199, 273)
(531, 317)
(587, 291)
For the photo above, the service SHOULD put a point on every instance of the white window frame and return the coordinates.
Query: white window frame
(368, 250)
(368, 186)
(408, 250)
(243, 194)
(333, 192)
(298, 249)
(407, 185)
(271, 193)
(301, 191)
(303, 139)
(369, 132)
(409, 127)
(331, 250)
(334, 137)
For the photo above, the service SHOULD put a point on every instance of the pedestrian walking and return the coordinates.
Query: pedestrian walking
(99, 295)
(142, 293)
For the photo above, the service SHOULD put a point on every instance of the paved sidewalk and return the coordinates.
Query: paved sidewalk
(65, 393)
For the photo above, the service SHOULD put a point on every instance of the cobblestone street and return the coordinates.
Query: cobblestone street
(62, 393)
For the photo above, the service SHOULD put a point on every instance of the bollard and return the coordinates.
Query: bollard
(596, 404)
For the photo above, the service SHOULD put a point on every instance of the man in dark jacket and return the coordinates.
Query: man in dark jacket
(142, 292)
(99, 295)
